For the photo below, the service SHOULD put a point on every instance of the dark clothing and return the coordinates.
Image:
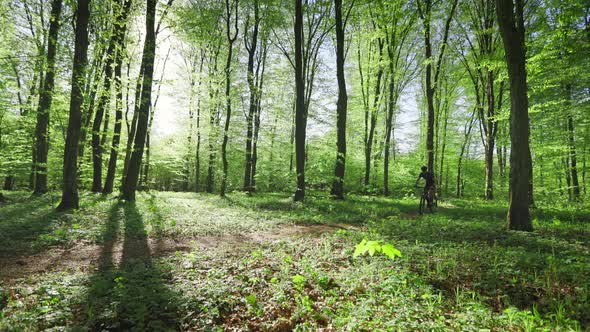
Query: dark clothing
(428, 177)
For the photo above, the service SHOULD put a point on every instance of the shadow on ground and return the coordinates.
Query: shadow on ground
(128, 292)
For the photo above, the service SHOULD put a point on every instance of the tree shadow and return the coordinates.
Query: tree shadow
(470, 248)
(26, 225)
(321, 209)
(131, 294)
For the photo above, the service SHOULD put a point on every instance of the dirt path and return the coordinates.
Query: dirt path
(84, 256)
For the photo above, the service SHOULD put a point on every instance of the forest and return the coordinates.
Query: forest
(294, 165)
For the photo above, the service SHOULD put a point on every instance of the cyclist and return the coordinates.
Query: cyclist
(428, 177)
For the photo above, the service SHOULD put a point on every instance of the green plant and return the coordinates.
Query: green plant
(373, 247)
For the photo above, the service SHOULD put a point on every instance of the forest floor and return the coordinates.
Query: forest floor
(183, 261)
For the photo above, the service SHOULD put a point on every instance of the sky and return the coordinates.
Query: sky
(171, 115)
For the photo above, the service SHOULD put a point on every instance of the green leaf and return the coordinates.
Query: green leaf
(390, 251)
(360, 248)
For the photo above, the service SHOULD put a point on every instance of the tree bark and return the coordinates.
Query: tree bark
(103, 104)
(262, 63)
(373, 116)
(70, 199)
(130, 185)
(112, 165)
(251, 48)
(467, 136)
(425, 12)
(572, 151)
(300, 116)
(198, 151)
(230, 42)
(513, 35)
(214, 113)
(341, 107)
(45, 100)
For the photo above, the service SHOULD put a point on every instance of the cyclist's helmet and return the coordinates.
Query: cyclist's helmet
(424, 168)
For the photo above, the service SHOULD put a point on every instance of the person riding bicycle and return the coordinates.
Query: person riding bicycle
(428, 177)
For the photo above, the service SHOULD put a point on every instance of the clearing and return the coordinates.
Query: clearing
(182, 261)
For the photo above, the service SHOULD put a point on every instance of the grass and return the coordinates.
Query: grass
(460, 269)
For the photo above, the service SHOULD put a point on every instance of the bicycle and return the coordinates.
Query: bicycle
(427, 200)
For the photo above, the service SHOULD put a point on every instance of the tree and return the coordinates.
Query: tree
(253, 77)
(511, 22)
(119, 56)
(425, 11)
(300, 113)
(341, 104)
(149, 53)
(231, 38)
(45, 100)
(70, 198)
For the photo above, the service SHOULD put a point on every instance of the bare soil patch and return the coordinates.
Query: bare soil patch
(84, 256)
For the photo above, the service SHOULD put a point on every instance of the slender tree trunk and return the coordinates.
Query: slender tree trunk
(198, 152)
(273, 138)
(87, 114)
(112, 165)
(230, 39)
(565, 162)
(572, 152)
(213, 94)
(373, 116)
(425, 12)
(391, 104)
(292, 137)
(257, 118)
(134, 119)
(341, 107)
(513, 36)
(103, 104)
(70, 199)
(251, 46)
(429, 88)
(490, 137)
(45, 100)
(443, 148)
(189, 137)
(300, 116)
(467, 136)
(149, 52)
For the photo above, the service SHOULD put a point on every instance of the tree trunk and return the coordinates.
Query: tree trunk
(8, 183)
(213, 93)
(373, 116)
(444, 147)
(429, 87)
(467, 136)
(300, 116)
(490, 137)
(133, 128)
(257, 116)
(513, 36)
(251, 48)
(70, 199)
(87, 114)
(149, 52)
(341, 107)
(103, 104)
(572, 152)
(425, 12)
(230, 39)
(198, 152)
(112, 165)
(45, 100)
